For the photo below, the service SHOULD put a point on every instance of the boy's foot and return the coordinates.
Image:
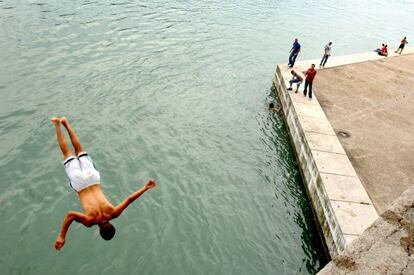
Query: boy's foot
(55, 120)
(63, 120)
(289, 89)
(296, 91)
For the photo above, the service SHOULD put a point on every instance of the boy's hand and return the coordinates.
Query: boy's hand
(59, 243)
(150, 184)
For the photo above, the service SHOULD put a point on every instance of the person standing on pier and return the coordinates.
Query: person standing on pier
(402, 45)
(326, 54)
(294, 53)
(310, 75)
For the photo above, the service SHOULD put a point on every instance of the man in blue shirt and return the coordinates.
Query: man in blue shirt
(294, 53)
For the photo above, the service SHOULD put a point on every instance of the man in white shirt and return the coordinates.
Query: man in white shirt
(326, 55)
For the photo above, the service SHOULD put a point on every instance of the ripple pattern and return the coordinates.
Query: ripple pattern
(177, 91)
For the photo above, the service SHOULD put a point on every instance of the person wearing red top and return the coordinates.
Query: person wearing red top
(384, 51)
(310, 75)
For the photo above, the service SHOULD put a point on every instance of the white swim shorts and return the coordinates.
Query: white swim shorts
(81, 172)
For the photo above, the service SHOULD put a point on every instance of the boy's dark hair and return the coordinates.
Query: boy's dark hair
(271, 105)
(107, 231)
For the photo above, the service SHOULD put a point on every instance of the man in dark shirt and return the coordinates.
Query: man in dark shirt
(310, 75)
(294, 53)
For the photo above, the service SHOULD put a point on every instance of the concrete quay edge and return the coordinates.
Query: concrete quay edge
(339, 200)
(385, 247)
(335, 61)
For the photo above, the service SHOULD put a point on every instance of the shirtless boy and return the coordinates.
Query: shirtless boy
(85, 180)
(402, 45)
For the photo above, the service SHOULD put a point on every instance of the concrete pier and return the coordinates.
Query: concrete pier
(337, 156)
(386, 247)
(371, 105)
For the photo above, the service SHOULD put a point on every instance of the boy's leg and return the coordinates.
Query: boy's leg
(73, 138)
(306, 87)
(297, 87)
(310, 90)
(326, 59)
(294, 59)
(61, 138)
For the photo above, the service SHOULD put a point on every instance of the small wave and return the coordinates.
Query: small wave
(67, 14)
(119, 4)
(127, 29)
(119, 19)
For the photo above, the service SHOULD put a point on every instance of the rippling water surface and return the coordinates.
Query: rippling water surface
(177, 91)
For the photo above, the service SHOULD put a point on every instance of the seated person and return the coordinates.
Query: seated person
(378, 50)
(383, 51)
(295, 79)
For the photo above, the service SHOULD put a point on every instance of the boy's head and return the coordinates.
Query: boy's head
(293, 72)
(271, 105)
(313, 66)
(106, 230)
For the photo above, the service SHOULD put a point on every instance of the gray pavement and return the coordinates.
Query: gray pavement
(370, 105)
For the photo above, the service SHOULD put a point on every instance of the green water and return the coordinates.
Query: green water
(176, 91)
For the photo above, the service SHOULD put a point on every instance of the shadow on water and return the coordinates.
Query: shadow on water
(313, 243)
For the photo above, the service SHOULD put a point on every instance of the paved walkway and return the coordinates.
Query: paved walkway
(370, 105)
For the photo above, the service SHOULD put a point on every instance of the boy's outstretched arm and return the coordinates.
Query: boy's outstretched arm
(131, 198)
(70, 217)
